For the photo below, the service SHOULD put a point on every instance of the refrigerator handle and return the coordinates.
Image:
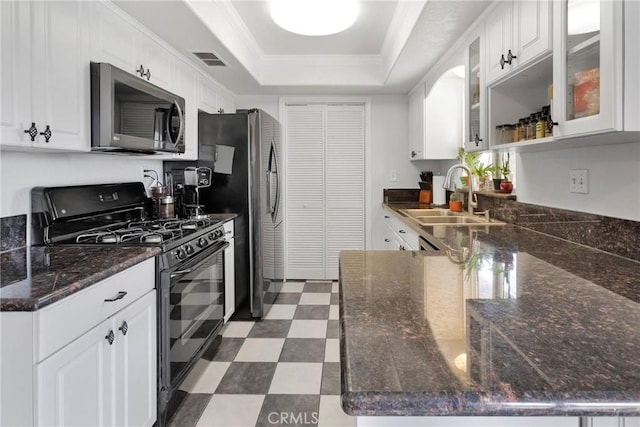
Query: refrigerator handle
(269, 208)
(276, 203)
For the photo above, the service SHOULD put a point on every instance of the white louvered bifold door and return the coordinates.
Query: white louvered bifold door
(325, 187)
(344, 166)
(305, 192)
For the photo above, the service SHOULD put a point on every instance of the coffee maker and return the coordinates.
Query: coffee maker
(195, 178)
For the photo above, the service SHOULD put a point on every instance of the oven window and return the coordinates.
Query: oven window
(196, 307)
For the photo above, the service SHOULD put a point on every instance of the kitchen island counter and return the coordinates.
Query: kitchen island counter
(502, 321)
(32, 278)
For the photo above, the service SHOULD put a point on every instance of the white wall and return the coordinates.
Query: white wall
(19, 172)
(614, 179)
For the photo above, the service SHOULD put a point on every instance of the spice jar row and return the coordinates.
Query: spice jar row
(535, 126)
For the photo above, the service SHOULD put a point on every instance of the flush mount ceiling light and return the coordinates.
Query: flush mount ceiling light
(314, 17)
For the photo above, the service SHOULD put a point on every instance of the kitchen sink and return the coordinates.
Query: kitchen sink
(433, 217)
(426, 212)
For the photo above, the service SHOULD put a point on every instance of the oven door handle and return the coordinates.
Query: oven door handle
(180, 272)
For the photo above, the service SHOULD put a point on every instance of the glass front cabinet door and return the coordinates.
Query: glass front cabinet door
(474, 137)
(588, 67)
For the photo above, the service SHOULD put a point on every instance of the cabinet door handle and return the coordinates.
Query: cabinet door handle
(32, 131)
(502, 61)
(120, 295)
(124, 328)
(413, 153)
(402, 248)
(387, 240)
(221, 110)
(47, 133)
(550, 123)
(477, 140)
(140, 71)
(510, 57)
(387, 217)
(401, 231)
(110, 337)
(147, 74)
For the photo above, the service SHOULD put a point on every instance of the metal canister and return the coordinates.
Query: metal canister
(167, 208)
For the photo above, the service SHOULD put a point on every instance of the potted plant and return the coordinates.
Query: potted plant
(496, 172)
(469, 159)
(506, 186)
(481, 171)
(455, 205)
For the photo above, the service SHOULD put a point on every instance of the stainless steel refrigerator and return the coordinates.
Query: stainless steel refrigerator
(244, 150)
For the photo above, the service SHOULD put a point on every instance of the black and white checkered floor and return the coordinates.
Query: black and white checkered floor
(281, 371)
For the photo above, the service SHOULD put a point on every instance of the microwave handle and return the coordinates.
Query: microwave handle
(181, 116)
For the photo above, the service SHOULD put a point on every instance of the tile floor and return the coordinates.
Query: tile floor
(283, 370)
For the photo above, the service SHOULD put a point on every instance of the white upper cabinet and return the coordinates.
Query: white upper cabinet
(435, 116)
(208, 95)
(590, 64)
(416, 122)
(517, 32)
(45, 75)
(115, 39)
(185, 85)
(443, 115)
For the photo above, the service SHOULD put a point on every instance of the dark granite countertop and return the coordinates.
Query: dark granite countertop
(503, 321)
(32, 278)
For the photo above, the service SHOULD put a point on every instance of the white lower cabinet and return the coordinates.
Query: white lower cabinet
(399, 235)
(89, 359)
(105, 377)
(75, 385)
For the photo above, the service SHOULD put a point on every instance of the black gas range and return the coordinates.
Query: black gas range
(190, 277)
(116, 214)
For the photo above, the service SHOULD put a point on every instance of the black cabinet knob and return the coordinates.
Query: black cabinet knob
(502, 61)
(110, 337)
(140, 71)
(32, 131)
(47, 133)
(510, 57)
(124, 328)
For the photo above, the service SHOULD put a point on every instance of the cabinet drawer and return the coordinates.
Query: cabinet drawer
(402, 230)
(62, 322)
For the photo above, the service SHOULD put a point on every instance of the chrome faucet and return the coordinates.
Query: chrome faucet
(473, 199)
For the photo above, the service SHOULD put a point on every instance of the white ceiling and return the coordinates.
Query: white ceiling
(365, 37)
(388, 50)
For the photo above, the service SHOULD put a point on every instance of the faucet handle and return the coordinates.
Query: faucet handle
(485, 214)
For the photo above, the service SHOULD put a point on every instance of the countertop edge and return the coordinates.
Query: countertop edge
(34, 304)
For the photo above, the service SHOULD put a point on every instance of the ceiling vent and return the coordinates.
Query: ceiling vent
(210, 59)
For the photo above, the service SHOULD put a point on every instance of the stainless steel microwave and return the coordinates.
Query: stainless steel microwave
(129, 114)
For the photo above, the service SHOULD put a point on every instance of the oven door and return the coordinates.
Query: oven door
(191, 313)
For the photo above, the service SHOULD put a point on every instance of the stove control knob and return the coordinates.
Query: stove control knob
(219, 234)
(181, 254)
(202, 242)
(189, 249)
(212, 236)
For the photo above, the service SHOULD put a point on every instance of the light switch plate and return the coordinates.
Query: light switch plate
(579, 181)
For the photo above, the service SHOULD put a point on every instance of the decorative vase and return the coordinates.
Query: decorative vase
(506, 187)
(455, 205)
